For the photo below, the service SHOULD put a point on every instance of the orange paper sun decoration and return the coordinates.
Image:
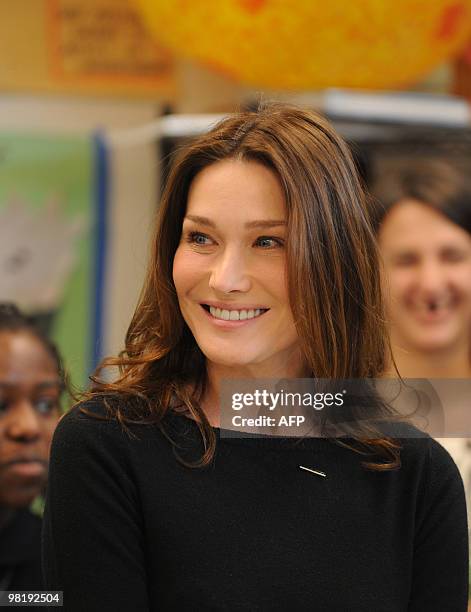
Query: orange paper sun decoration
(306, 44)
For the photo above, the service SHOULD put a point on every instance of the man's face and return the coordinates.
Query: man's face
(427, 261)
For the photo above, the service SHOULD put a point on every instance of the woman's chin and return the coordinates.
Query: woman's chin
(228, 361)
(231, 359)
(436, 343)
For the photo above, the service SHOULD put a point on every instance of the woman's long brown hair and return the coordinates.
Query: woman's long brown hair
(334, 285)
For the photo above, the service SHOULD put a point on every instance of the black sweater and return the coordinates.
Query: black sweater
(128, 528)
(20, 553)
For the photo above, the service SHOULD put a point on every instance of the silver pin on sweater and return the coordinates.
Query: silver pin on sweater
(317, 472)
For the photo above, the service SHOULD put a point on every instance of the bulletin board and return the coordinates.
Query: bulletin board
(53, 238)
(98, 47)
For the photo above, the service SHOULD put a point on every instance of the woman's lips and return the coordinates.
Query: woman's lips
(230, 324)
(26, 468)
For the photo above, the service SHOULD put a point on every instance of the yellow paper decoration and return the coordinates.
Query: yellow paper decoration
(306, 44)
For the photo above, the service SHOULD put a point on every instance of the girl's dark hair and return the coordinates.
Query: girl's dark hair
(433, 182)
(12, 320)
(331, 259)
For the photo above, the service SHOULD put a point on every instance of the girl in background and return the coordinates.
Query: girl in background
(31, 383)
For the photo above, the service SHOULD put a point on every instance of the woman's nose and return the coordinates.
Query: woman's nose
(23, 423)
(431, 277)
(230, 273)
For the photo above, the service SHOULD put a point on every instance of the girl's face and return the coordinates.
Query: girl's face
(427, 262)
(30, 391)
(230, 268)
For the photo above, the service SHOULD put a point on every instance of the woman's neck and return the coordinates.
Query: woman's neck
(295, 368)
(447, 363)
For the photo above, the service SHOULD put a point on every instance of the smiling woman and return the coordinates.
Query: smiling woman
(230, 278)
(263, 265)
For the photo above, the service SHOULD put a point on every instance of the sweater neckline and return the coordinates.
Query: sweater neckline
(237, 438)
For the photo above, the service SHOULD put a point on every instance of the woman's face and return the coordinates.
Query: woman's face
(427, 262)
(230, 268)
(30, 390)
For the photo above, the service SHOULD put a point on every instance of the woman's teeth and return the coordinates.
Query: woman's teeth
(433, 307)
(235, 315)
(439, 304)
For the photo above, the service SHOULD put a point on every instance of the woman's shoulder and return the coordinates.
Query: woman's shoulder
(107, 412)
(421, 455)
(418, 446)
(91, 445)
(88, 417)
(91, 440)
(429, 453)
(87, 431)
(427, 462)
(97, 423)
(104, 422)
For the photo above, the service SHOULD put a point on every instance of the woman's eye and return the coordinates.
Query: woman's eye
(405, 260)
(268, 242)
(199, 239)
(3, 406)
(45, 405)
(453, 256)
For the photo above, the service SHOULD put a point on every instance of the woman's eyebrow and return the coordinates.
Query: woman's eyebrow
(49, 384)
(262, 223)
